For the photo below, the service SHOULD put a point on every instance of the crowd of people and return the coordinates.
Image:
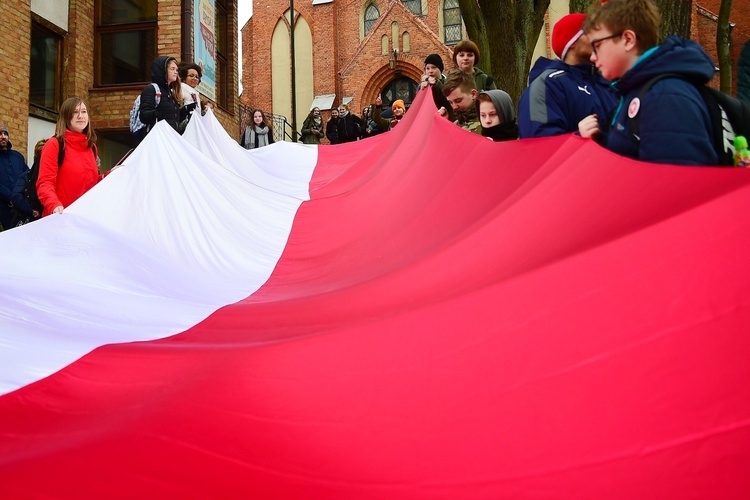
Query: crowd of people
(598, 86)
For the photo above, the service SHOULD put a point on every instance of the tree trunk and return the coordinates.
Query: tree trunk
(506, 49)
(475, 27)
(579, 5)
(675, 17)
(722, 47)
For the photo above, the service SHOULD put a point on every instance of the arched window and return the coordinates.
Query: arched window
(451, 22)
(371, 16)
(415, 6)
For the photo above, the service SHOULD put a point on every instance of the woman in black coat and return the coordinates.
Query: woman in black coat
(350, 126)
(164, 74)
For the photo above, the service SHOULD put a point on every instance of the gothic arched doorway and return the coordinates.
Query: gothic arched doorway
(401, 87)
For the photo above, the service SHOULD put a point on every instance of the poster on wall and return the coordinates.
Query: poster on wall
(204, 29)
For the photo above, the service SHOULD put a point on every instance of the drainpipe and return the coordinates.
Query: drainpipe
(187, 30)
(294, 74)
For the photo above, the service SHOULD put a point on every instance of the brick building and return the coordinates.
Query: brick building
(704, 25)
(101, 51)
(351, 51)
(345, 51)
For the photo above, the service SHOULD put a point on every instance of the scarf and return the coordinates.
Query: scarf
(507, 131)
(258, 137)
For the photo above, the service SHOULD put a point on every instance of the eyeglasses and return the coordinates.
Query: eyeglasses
(595, 43)
(195, 77)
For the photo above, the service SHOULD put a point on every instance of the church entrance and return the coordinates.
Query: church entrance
(401, 88)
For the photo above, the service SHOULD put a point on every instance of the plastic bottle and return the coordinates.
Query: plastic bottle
(742, 154)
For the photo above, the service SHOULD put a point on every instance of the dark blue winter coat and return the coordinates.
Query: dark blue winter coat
(13, 172)
(674, 123)
(559, 96)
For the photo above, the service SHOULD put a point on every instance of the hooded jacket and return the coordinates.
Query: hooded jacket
(13, 172)
(675, 126)
(483, 81)
(561, 95)
(168, 109)
(507, 129)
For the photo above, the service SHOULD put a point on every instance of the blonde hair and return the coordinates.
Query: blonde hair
(640, 16)
(175, 86)
(38, 148)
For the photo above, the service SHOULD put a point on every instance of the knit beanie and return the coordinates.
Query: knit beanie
(398, 103)
(565, 33)
(3, 128)
(435, 60)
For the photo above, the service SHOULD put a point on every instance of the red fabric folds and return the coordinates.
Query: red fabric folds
(451, 318)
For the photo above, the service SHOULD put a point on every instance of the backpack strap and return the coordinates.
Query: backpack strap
(61, 152)
(713, 108)
(157, 95)
(634, 123)
(714, 115)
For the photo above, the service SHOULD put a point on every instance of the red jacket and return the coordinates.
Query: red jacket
(77, 174)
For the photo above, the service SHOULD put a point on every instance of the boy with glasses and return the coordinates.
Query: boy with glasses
(674, 122)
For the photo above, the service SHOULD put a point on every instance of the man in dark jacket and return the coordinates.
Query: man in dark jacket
(13, 172)
(563, 92)
(675, 126)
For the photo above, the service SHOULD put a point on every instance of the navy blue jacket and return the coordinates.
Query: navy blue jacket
(13, 172)
(675, 126)
(559, 96)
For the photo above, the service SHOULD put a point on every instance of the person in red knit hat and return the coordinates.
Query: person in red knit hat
(60, 183)
(562, 92)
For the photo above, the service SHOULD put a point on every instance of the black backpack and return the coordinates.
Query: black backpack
(729, 116)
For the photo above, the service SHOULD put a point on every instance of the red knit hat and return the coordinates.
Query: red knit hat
(565, 33)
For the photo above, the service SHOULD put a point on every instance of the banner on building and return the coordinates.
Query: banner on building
(204, 36)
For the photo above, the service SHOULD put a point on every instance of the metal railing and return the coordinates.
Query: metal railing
(280, 126)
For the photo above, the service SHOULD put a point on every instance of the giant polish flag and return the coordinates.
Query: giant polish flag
(424, 314)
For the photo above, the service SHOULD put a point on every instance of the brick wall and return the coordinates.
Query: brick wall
(704, 28)
(14, 52)
(110, 108)
(341, 65)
